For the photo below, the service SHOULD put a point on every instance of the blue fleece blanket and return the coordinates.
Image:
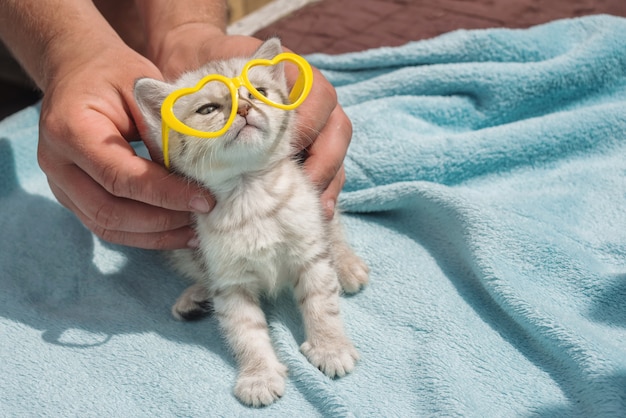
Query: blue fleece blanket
(487, 191)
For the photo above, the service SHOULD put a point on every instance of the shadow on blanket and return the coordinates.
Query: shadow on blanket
(610, 307)
(74, 293)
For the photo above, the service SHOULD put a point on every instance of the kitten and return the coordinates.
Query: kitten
(266, 231)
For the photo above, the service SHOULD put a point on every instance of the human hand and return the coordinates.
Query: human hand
(86, 122)
(323, 127)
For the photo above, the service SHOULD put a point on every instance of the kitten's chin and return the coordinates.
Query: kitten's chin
(249, 133)
(246, 133)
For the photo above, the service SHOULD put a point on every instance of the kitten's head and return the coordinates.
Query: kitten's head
(259, 135)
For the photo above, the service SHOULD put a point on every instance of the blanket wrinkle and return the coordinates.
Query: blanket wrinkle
(486, 189)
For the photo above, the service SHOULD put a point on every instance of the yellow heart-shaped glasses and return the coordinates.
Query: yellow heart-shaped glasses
(298, 93)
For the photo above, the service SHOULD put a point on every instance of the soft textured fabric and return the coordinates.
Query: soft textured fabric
(486, 190)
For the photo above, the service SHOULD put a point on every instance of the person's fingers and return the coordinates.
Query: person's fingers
(116, 213)
(85, 124)
(324, 131)
(329, 196)
(111, 162)
(115, 193)
(314, 112)
(327, 152)
(159, 240)
(168, 240)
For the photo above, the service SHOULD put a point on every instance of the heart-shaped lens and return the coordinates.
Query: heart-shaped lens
(294, 66)
(206, 110)
(208, 107)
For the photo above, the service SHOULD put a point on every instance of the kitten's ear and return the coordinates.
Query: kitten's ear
(268, 50)
(149, 95)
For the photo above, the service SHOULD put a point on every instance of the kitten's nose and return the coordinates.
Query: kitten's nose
(243, 109)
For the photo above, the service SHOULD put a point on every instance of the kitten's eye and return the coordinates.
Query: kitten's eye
(261, 90)
(207, 108)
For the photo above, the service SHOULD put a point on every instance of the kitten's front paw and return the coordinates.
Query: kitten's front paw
(353, 274)
(261, 389)
(334, 359)
(193, 304)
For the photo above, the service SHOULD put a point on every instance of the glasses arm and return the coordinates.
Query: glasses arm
(165, 143)
(298, 88)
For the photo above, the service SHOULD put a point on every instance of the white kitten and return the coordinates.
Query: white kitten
(266, 231)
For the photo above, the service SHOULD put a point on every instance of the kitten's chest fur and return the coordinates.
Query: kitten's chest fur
(261, 229)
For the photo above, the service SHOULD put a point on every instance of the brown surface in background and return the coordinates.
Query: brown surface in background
(239, 8)
(338, 26)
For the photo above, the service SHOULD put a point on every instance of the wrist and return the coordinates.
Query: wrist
(47, 36)
(70, 51)
(164, 20)
(180, 43)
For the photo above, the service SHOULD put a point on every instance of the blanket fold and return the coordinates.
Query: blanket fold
(486, 189)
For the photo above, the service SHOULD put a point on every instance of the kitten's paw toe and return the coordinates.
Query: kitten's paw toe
(193, 304)
(194, 312)
(260, 389)
(353, 275)
(335, 359)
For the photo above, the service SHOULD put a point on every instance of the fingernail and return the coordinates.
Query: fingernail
(330, 205)
(330, 208)
(193, 243)
(199, 204)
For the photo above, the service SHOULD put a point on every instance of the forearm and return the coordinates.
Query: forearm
(49, 36)
(163, 17)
